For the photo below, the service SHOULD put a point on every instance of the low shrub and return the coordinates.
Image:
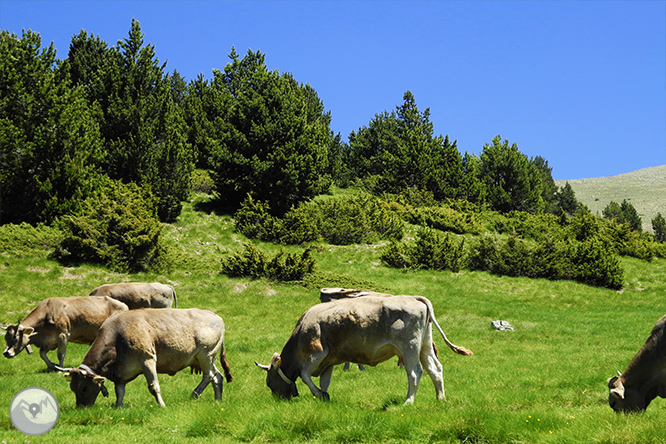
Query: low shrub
(587, 261)
(429, 251)
(23, 240)
(252, 262)
(446, 219)
(593, 264)
(340, 221)
(117, 226)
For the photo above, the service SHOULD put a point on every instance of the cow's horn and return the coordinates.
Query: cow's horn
(4, 326)
(265, 367)
(62, 369)
(619, 373)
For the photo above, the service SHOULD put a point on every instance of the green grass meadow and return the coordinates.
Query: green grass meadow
(543, 383)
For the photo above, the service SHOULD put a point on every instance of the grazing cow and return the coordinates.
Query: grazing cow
(333, 294)
(366, 330)
(645, 377)
(140, 294)
(57, 321)
(149, 342)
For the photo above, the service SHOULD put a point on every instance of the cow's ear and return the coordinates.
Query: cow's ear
(611, 382)
(29, 331)
(99, 380)
(105, 392)
(276, 360)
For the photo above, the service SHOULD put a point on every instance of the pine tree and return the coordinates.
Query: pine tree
(50, 144)
(144, 131)
(512, 181)
(272, 136)
(401, 151)
(659, 228)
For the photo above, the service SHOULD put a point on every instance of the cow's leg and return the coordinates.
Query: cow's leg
(62, 348)
(120, 393)
(218, 383)
(325, 380)
(434, 368)
(210, 373)
(316, 391)
(42, 354)
(150, 372)
(414, 372)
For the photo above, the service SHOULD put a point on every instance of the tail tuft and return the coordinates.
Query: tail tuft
(463, 351)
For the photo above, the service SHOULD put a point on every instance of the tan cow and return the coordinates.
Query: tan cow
(149, 342)
(57, 321)
(140, 294)
(645, 377)
(365, 330)
(335, 293)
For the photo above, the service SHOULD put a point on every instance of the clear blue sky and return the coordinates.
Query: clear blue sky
(580, 83)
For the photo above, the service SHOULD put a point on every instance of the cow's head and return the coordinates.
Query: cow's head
(625, 399)
(277, 381)
(17, 338)
(85, 384)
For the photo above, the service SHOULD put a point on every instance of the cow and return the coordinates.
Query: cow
(149, 342)
(365, 330)
(140, 294)
(57, 321)
(333, 294)
(645, 376)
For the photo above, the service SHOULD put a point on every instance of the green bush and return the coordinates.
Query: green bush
(118, 227)
(339, 221)
(429, 251)
(252, 262)
(202, 182)
(593, 264)
(254, 220)
(589, 261)
(24, 240)
(445, 219)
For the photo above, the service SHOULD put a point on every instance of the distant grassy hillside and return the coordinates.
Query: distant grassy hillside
(645, 189)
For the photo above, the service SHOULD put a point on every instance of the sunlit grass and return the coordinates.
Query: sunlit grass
(542, 383)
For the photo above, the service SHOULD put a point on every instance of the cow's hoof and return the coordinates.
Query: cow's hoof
(325, 396)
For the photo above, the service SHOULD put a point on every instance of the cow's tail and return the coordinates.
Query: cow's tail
(431, 315)
(225, 364)
(175, 300)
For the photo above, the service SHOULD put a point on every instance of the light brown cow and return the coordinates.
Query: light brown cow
(149, 342)
(335, 293)
(365, 330)
(57, 321)
(645, 377)
(140, 294)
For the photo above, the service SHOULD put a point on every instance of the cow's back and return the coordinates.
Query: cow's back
(81, 317)
(138, 294)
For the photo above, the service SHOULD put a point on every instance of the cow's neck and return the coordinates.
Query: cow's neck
(101, 357)
(647, 371)
(291, 365)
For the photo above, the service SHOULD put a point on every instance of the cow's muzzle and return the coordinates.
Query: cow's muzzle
(9, 354)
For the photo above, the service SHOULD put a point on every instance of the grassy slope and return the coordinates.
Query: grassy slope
(543, 383)
(645, 189)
